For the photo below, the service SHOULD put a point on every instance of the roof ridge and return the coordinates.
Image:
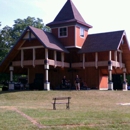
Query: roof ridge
(74, 9)
(106, 32)
(58, 17)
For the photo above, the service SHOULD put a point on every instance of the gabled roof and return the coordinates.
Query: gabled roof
(102, 42)
(68, 14)
(48, 40)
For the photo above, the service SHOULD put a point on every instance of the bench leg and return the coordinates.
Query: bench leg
(67, 106)
(54, 106)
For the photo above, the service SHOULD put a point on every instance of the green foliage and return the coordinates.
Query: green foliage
(4, 77)
(21, 24)
(5, 41)
(9, 35)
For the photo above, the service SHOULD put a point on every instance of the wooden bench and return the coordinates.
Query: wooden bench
(67, 102)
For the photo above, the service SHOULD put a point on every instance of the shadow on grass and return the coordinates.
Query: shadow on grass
(13, 91)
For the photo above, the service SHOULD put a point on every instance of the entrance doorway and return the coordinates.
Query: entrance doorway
(38, 81)
(117, 82)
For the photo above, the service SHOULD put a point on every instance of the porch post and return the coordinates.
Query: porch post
(62, 59)
(46, 67)
(115, 58)
(110, 83)
(124, 80)
(34, 57)
(11, 85)
(120, 59)
(11, 68)
(84, 61)
(55, 59)
(22, 57)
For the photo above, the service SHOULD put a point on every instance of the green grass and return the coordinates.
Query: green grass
(89, 110)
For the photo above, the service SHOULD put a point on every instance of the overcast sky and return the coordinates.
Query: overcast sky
(103, 15)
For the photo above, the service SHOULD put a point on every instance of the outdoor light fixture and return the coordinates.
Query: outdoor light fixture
(109, 65)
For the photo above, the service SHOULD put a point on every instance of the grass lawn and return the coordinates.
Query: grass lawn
(89, 110)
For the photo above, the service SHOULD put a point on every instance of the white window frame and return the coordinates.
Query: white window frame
(59, 29)
(82, 32)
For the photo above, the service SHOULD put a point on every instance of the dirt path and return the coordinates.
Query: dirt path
(24, 115)
(34, 122)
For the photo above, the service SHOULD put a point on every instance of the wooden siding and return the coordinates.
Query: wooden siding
(18, 56)
(56, 72)
(33, 71)
(28, 54)
(92, 77)
(40, 53)
(126, 54)
(89, 75)
(103, 83)
(32, 42)
(40, 62)
(80, 40)
(66, 64)
(55, 32)
(66, 41)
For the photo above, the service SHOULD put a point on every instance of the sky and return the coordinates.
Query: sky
(103, 15)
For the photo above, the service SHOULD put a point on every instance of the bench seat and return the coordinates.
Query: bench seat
(67, 102)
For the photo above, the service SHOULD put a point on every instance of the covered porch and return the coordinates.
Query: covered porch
(39, 54)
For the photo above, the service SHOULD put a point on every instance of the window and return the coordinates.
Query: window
(81, 32)
(63, 32)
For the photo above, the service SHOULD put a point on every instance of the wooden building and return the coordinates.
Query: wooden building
(99, 59)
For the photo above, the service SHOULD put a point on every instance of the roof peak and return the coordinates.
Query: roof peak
(69, 14)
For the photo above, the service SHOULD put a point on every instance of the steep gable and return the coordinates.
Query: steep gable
(69, 14)
(47, 40)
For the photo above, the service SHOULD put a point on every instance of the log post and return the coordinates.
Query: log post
(46, 67)
(110, 83)
(124, 80)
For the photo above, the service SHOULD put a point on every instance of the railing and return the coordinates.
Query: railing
(65, 64)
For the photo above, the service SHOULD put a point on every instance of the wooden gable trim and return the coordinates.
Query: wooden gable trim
(29, 35)
(32, 47)
(73, 47)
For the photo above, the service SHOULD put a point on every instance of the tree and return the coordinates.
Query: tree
(20, 25)
(9, 35)
(5, 40)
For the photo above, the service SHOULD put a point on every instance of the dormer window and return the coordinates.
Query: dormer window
(81, 32)
(62, 32)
